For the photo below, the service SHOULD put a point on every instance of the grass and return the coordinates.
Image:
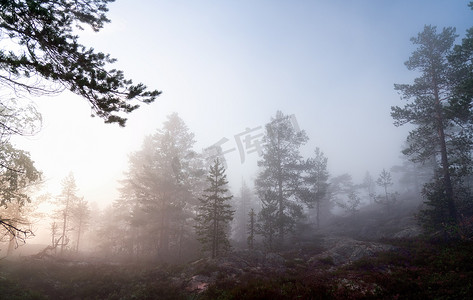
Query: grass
(12, 290)
(417, 269)
(49, 280)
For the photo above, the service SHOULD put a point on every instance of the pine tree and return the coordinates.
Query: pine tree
(441, 117)
(215, 214)
(388, 198)
(316, 182)
(385, 180)
(280, 177)
(80, 216)
(368, 185)
(251, 229)
(242, 204)
(46, 48)
(462, 61)
(412, 176)
(268, 220)
(352, 204)
(343, 192)
(66, 201)
(159, 192)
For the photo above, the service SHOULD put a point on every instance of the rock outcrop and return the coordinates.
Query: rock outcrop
(337, 251)
(344, 250)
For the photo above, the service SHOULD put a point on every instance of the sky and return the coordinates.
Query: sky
(227, 66)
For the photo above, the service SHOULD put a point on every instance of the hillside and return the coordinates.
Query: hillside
(403, 268)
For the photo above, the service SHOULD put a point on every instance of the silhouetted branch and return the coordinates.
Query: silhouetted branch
(19, 235)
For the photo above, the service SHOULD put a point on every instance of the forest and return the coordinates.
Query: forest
(177, 231)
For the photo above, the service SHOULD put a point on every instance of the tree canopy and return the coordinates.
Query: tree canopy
(429, 108)
(279, 180)
(17, 173)
(439, 105)
(316, 181)
(215, 213)
(42, 55)
(159, 192)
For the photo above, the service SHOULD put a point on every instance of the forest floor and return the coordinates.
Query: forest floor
(410, 269)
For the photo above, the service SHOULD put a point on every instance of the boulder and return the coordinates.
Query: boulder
(409, 232)
(344, 250)
(199, 283)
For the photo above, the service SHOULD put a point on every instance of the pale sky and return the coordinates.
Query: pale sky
(225, 66)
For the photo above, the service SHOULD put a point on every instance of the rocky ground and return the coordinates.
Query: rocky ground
(328, 253)
(368, 255)
(330, 267)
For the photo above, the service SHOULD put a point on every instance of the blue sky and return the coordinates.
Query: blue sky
(229, 65)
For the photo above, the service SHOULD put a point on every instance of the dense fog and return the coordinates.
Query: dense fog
(156, 214)
(240, 139)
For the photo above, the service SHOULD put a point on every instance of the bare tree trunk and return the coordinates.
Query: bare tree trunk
(11, 245)
(53, 233)
(64, 225)
(444, 157)
(63, 231)
(280, 204)
(447, 179)
(78, 235)
(386, 193)
(217, 236)
(214, 233)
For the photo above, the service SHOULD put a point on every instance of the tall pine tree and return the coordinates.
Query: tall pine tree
(215, 213)
(159, 193)
(462, 61)
(66, 202)
(440, 135)
(316, 181)
(243, 204)
(280, 176)
(251, 229)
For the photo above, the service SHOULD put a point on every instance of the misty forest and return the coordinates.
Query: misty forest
(181, 229)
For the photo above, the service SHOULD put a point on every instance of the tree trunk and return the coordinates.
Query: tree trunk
(163, 238)
(252, 230)
(63, 231)
(64, 225)
(280, 203)
(214, 233)
(11, 245)
(78, 235)
(280, 218)
(447, 179)
(444, 158)
(386, 193)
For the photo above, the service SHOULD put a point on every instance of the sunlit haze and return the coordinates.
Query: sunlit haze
(228, 66)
